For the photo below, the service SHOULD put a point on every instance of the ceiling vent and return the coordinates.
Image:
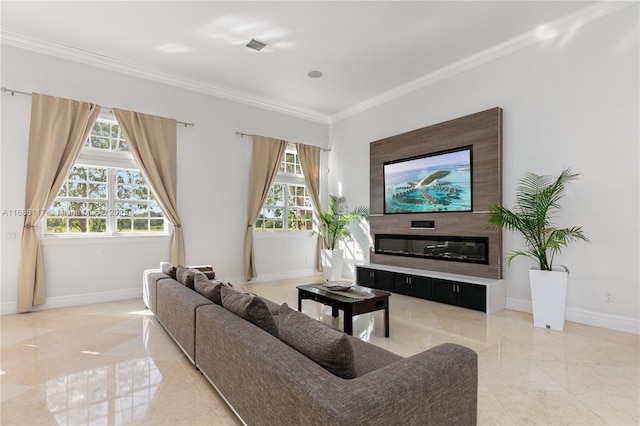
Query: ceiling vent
(256, 45)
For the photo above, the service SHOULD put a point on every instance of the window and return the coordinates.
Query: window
(288, 205)
(105, 192)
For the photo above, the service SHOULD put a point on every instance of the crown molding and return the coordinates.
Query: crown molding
(22, 41)
(567, 23)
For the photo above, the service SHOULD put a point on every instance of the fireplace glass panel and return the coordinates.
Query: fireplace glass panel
(456, 249)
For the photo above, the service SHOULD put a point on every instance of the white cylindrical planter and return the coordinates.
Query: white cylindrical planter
(332, 261)
(548, 297)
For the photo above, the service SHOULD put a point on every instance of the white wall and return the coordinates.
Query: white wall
(568, 101)
(213, 172)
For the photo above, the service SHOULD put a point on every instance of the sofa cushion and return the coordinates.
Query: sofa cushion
(169, 269)
(185, 275)
(249, 307)
(327, 347)
(207, 288)
(273, 307)
(369, 357)
(206, 269)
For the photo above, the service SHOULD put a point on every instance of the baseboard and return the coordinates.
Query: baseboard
(519, 305)
(77, 299)
(132, 293)
(261, 278)
(596, 319)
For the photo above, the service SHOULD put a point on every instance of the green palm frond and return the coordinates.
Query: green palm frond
(537, 200)
(332, 225)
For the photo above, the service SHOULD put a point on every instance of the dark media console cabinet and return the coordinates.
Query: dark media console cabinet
(482, 294)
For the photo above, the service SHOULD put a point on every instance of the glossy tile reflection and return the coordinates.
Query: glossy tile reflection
(113, 363)
(105, 364)
(114, 394)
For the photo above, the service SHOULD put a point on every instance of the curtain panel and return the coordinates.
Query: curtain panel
(57, 133)
(309, 156)
(153, 143)
(266, 154)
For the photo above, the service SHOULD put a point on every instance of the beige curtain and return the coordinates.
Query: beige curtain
(266, 155)
(309, 156)
(58, 130)
(153, 142)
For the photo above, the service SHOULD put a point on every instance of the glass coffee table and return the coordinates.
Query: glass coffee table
(361, 301)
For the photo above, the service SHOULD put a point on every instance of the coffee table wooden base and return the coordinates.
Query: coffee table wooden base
(350, 306)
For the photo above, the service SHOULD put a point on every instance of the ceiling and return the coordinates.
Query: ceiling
(363, 48)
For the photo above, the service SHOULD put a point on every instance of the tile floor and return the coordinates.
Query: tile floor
(112, 363)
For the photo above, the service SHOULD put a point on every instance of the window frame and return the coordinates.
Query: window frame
(112, 161)
(286, 179)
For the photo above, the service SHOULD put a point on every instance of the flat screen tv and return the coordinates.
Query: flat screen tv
(431, 183)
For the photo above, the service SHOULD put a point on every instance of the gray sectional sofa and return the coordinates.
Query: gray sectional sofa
(303, 372)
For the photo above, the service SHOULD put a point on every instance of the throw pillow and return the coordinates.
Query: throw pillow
(327, 347)
(185, 276)
(207, 288)
(169, 269)
(249, 307)
(207, 270)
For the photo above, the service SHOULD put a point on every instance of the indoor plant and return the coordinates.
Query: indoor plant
(333, 227)
(537, 200)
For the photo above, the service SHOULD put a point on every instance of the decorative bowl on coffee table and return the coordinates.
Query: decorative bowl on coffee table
(338, 285)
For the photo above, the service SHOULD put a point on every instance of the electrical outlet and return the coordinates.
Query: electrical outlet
(608, 297)
(11, 236)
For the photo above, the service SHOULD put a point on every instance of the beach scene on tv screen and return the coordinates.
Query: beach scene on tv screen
(436, 183)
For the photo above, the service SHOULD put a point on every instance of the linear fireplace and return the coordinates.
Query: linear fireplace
(456, 249)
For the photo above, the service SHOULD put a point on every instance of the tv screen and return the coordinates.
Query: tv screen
(435, 182)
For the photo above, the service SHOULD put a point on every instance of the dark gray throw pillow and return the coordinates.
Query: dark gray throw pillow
(206, 269)
(207, 288)
(185, 276)
(327, 347)
(169, 269)
(249, 307)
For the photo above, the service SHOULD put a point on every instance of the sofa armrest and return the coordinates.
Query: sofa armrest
(435, 387)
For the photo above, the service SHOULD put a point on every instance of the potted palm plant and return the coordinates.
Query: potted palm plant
(537, 200)
(332, 227)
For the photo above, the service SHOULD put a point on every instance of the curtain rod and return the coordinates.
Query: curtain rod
(247, 134)
(13, 93)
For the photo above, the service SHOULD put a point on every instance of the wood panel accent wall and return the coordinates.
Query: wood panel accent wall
(482, 130)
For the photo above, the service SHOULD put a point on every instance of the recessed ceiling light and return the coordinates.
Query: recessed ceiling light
(314, 74)
(256, 45)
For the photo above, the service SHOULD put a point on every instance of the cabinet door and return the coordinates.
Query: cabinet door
(365, 276)
(402, 284)
(422, 287)
(382, 280)
(472, 296)
(374, 278)
(444, 291)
